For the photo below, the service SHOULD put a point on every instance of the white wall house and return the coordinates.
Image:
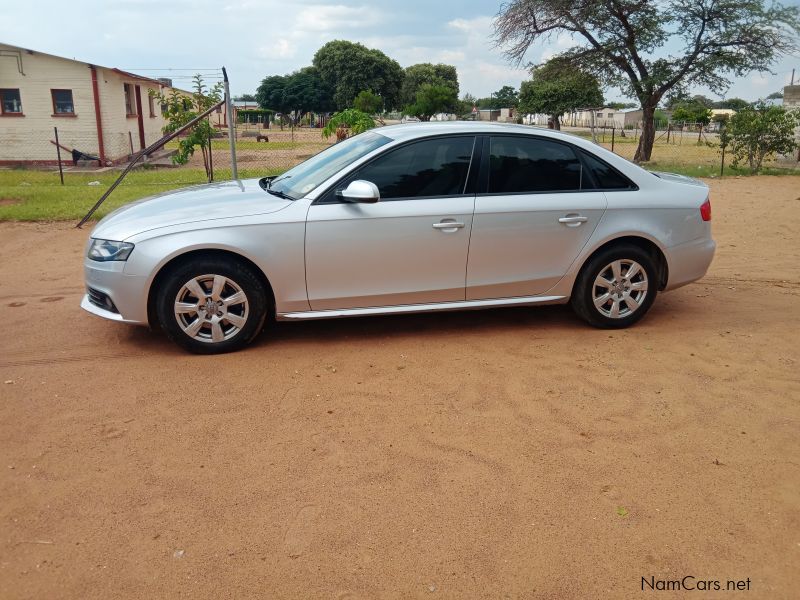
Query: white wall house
(101, 111)
(603, 117)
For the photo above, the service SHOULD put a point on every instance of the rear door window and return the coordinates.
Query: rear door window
(527, 164)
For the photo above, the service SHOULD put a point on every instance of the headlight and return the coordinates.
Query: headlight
(105, 250)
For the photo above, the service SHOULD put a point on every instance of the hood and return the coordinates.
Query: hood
(675, 178)
(189, 205)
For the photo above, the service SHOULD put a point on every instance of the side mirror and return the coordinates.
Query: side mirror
(361, 191)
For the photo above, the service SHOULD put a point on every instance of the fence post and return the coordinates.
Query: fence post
(231, 126)
(669, 129)
(58, 153)
(210, 158)
(613, 130)
(722, 164)
(130, 140)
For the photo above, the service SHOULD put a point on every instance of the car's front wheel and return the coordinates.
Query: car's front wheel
(211, 305)
(616, 287)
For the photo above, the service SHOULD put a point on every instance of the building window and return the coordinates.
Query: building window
(10, 103)
(152, 105)
(62, 102)
(130, 103)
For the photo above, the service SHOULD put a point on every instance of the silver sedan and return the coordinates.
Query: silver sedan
(410, 218)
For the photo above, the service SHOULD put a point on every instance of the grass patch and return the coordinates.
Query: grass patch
(39, 195)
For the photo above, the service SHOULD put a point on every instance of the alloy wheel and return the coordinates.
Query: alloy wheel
(211, 308)
(620, 288)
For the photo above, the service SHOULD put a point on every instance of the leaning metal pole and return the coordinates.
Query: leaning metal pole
(141, 153)
(231, 125)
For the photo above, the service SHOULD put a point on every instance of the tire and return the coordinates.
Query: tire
(230, 314)
(604, 294)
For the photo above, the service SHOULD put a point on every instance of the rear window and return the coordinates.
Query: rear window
(606, 176)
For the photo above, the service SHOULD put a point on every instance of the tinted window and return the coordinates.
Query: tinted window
(436, 167)
(519, 164)
(607, 177)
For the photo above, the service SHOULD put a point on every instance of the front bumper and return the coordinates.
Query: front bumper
(127, 293)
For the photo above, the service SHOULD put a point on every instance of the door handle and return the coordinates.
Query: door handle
(573, 220)
(448, 225)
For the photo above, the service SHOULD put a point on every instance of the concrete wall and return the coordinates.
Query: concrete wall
(791, 101)
(25, 138)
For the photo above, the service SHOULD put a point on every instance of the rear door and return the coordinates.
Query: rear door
(535, 210)
(408, 248)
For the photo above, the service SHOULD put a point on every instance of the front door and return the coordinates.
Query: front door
(532, 218)
(408, 248)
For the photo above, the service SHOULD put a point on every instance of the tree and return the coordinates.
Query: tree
(348, 68)
(775, 96)
(616, 105)
(506, 97)
(297, 93)
(431, 100)
(351, 121)
(557, 88)
(368, 102)
(757, 132)
(179, 109)
(245, 98)
(621, 40)
(733, 104)
(692, 112)
(417, 75)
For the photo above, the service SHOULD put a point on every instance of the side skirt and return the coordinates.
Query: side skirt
(418, 308)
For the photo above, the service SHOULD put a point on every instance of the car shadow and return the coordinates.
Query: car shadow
(495, 321)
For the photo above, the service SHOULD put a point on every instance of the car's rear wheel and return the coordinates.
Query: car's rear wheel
(616, 287)
(210, 305)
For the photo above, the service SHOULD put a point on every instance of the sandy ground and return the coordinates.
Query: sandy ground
(502, 454)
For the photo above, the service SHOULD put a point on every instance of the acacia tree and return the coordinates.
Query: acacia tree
(557, 88)
(620, 40)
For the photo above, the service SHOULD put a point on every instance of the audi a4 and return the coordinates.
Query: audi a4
(407, 218)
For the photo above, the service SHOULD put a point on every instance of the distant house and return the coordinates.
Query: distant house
(588, 117)
(503, 115)
(100, 111)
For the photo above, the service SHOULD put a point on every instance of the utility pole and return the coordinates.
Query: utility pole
(792, 77)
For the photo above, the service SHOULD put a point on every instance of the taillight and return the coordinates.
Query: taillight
(705, 210)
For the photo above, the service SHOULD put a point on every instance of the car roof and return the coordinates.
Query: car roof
(409, 131)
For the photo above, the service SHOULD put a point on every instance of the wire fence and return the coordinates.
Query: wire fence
(69, 157)
(269, 148)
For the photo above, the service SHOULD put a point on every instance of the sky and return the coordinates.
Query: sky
(256, 38)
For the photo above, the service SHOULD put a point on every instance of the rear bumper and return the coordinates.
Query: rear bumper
(689, 262)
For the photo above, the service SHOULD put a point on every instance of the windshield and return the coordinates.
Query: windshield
(306, 176)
